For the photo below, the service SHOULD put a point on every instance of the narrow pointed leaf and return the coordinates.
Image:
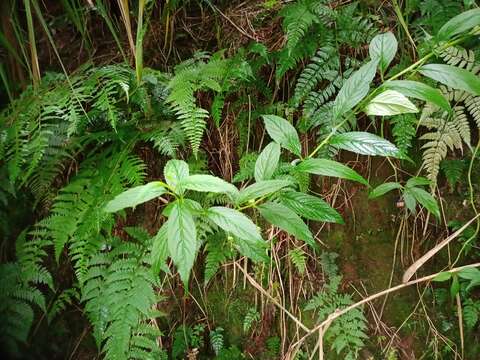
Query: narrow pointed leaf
(452, 76)
(267, 162)
(383, 189)
(310, 207)
(332, 168)
(459, 24)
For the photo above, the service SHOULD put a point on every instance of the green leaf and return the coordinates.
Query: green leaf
(174, 171)
(418, 181)
(285, 219)
(443, 276)
(452, 76)
(159, 252)
(310, 207)
(261, 188)
(332, 168)
(267, 162)
(252, 249)
(455, 287)
(282, 132)
(410, 201)
(135, 196)
(383, 189)
(419, 91)
(383, 47)
(234, 222)
(355, 88)
(207, 183)
(364, 143)
(182, 239)
(459, 24)
(389, 103)
(425, 199)
(469, 273)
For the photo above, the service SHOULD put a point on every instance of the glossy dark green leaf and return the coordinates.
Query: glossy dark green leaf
(452, 76)
(332, 168)
(310, 207)
(364, 143)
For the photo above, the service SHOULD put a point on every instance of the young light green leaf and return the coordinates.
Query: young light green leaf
(260, 189)
(207, 183)
(310, 207)
(389, 103)
(442, 276)
(419, 91)
(383, 47)
(332, 168)
(355, 88)
(282, 132)
(284, 218)
(267, 162)
(452, 76)
(469, 273)
(383, 189)
(234, 222)
(459, 24)
(426, 200)
(364, 143)
(174, 171)
(135, 196)
(182, 239)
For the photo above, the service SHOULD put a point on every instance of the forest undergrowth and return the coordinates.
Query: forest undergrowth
(240, 179)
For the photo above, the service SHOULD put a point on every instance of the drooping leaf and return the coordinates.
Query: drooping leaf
(174, 171)
(234, 222)
(160, 249)
(261, 188)
(207, 183)
(310, 207)
(135, 196)
(364, 143)
(388, 103)
(332, 168)
(182, 239)
(355, 88)
(383, 47)
(452, 76)
(284, 218)
(426, 200)
(267, 162)
(419, 91)
(410, 201)
(383, 189)
(459, 24)
(282, 132)
(255, 250)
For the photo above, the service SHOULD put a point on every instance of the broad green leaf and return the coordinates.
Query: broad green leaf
(207, 183)
(364, 143)
(182, 239)
(419, 91)
(192, 205)
(410, 201)
(452, 76)
(426, 200)
(355, 88)
(267, 162)
(332, 168)
(310, 207)
(417, 181)
(159, 252)
(234, 222)
(389, 103)
(174, 171)
(261, 188)
(383, 189)
(253, 249)
(135, 196)
(469, 273)
(284, 218)
(443, 276)
(459, 24)
(282, 132)
(383, 47)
